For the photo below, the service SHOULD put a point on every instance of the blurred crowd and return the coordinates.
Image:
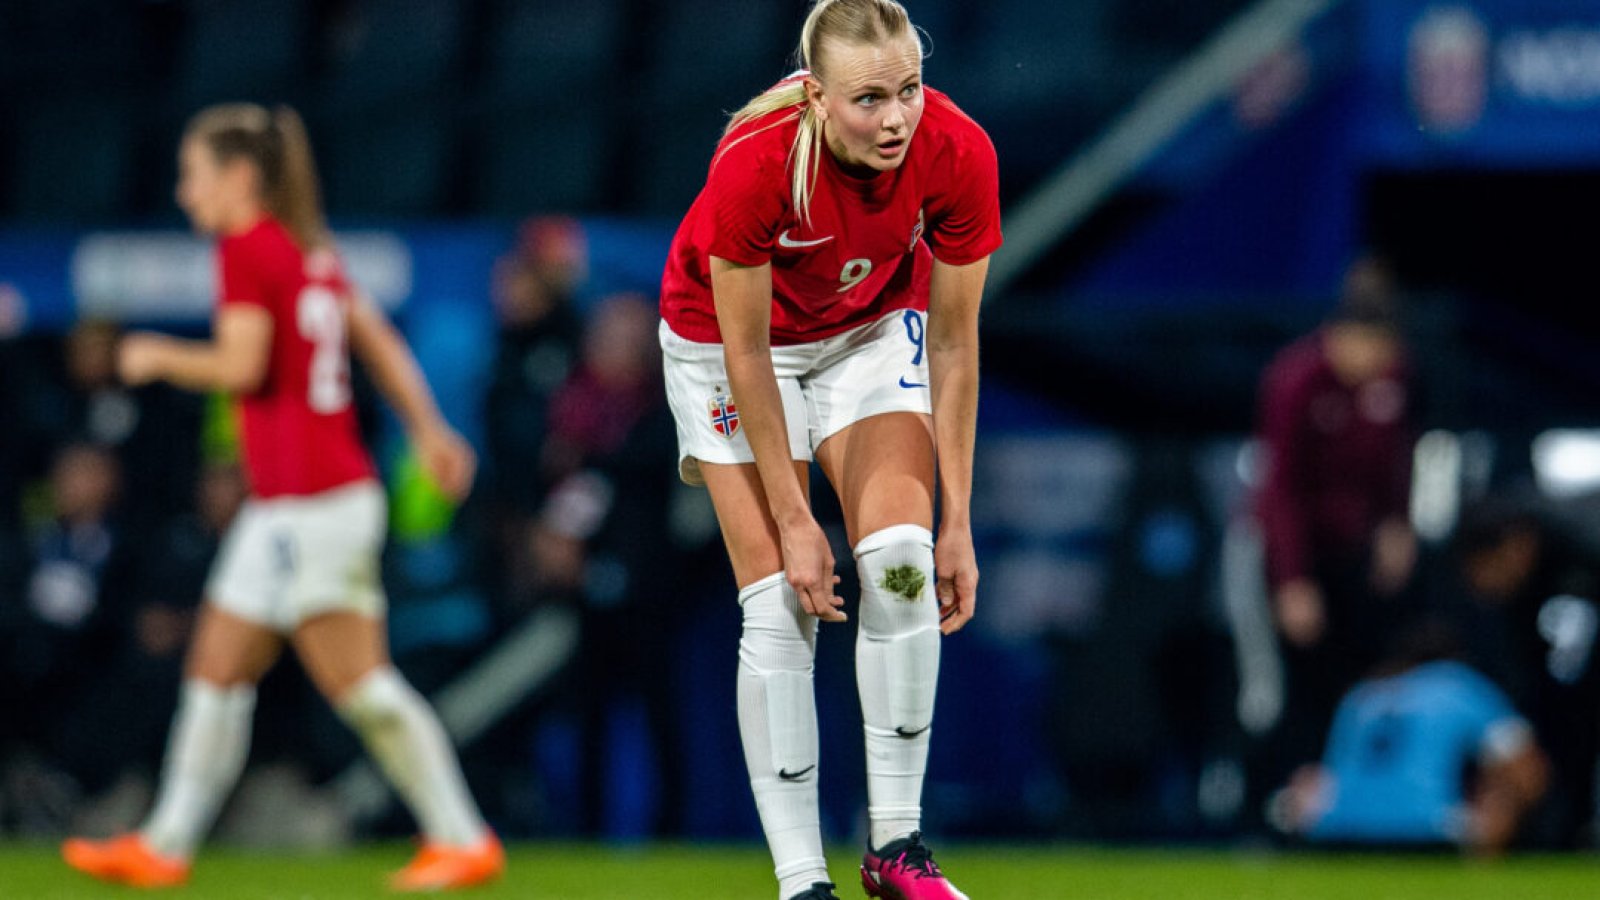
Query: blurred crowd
(1460, 665)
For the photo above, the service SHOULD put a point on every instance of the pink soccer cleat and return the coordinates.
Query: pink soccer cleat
(904, 870)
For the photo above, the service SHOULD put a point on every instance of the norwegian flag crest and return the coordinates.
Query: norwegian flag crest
(724, 416)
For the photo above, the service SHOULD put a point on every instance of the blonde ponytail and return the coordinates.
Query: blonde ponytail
(296, 199)
(804, 154)
(851, 21)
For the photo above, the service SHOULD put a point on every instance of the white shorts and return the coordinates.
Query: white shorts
(826, 386)
(287, 559)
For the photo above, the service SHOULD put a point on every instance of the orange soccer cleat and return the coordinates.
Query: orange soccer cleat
(125, 860)
(437, 867)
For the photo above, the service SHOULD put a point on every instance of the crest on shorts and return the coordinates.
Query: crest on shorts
(724, 415)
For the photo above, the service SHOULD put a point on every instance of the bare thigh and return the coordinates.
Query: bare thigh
(338, 649)
(228, 650)
(748, 529)
(882, 468)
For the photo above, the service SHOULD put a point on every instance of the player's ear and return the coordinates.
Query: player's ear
(814, 97)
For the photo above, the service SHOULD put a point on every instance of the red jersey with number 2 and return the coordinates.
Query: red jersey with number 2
(869, 246)
(299, 429)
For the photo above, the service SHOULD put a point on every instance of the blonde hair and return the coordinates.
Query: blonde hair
(847, 21)
(275, 142)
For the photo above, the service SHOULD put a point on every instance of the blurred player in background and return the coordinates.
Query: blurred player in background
(301, 561)
(821, 301)
(1427, 752)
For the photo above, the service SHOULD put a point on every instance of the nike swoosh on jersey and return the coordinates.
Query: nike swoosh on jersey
(910, 384)
(785, 241)
(787, 775)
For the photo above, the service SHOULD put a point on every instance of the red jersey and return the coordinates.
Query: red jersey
(1338, 461)
(870, 245)
(299, 430)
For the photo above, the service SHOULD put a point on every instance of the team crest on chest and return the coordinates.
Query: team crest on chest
(916, 231)
(724, 414)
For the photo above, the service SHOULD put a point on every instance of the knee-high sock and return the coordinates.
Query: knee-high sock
(897, 672)
(778, 725)
(404, 736)
(206, 751)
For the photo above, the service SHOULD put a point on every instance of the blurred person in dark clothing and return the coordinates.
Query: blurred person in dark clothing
(58, 629)
(1337, 437)
(1536, 587)
(163, 578)
(604, 535)
(536, 347)
(70, 552)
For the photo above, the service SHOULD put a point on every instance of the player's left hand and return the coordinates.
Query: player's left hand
(955, 568)
(448, 459)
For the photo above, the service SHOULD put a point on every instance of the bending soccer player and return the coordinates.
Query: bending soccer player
(821, 302)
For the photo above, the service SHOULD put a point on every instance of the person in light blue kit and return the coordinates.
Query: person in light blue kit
(1427, 753)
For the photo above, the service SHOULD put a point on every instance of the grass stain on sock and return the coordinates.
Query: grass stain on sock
(905, 581)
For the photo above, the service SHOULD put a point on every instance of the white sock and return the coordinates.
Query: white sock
(404, 736)
(206, 750)
(778, 726)
(897, 673)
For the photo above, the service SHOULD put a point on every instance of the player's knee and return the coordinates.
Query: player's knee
(775, 659)
(896, 570)
(899, 641)
(778, 635)
(375, 702)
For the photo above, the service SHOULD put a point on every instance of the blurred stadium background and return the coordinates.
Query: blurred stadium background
(1185, 183)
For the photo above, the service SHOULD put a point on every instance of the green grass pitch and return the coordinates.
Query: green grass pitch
(671, 872)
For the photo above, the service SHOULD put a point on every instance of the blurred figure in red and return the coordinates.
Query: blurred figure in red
(1337, 437)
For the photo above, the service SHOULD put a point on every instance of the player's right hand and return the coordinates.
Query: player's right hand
(448, 459)
(808, 566)
(138, 358)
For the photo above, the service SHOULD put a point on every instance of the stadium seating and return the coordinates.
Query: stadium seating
(71, 163)
(242, 50)
(606, 105)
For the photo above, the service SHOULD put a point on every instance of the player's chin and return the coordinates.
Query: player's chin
(202, 225)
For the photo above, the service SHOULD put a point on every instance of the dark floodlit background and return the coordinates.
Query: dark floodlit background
(1185, 182)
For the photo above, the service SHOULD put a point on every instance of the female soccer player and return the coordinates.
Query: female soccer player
(301, 561)
(821, 299)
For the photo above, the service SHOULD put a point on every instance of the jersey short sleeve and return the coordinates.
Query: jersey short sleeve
(239, 275)
(747, 202)
(964, 221)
